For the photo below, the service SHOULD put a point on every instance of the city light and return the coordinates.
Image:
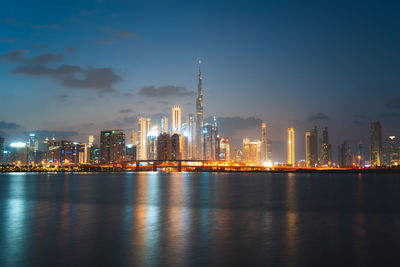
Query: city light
(18, 144)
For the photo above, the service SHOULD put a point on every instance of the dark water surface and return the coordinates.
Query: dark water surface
(199, 219)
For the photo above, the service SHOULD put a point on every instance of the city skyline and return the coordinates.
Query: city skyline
(278, 72)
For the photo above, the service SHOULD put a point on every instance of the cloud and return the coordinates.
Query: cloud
(359, 119)
(390, 115)
(130, 119)
(63, 98)
(125, 33)
(70, 49)
(8, 125)
(318, 117)
(165, 91)
(18, 56)
(99, 79)
(47, 58)
(128, 110)
(232, 125)
(85, 12)
(14, 56)
(8, 39)
(106, 41)
(19, 23)
(393, 103)
(42, 134)
(40, 70)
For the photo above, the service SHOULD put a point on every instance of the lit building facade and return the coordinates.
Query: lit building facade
(164, 147)
(210, 141)
(142, 131)
(112, 146)
(224, 149)
(251, 152)
(1, 149)
(291, 161)
(164, 125)
(191, 136)
(308, 149)
(264, 143)
(375, 134)
(326, 155)
(176, 120)
(199, 118)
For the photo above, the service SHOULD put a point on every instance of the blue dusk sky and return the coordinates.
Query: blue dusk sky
(73, 68)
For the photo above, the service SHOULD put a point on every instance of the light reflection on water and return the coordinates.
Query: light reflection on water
(198, 219)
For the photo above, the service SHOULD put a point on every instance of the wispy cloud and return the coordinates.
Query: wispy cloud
(165, 91)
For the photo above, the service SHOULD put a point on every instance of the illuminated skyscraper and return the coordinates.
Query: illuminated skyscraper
(344, 155)
(210, 141)
(132, 138)
(224, 151)
(175, 147)
(112, 146)
(164, 147)
(164, 125)
(1, 149)
(375, 134)
(251, 152)
(314, 146)
(32, 148)
(290, 148)
(191, 135)
(176, 120)
(308, 149)
(143, 130)
(394, 151)
(91, 140)
(199, 117)
(264, 143)
(326, 155)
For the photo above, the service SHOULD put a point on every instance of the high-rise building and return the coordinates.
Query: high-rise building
(175, 147)
(314, 146)
(60, 152)
(1, 149)
(191, 135)
(199, 117)
(326, 156)
(238, 155)
(360, 154)
(151, 145)
(164, 147)
(130, 152)
(18, 153)
(176, 120)
(308, 149)
(375, 134)
(290, 147)
(344, 155)
(142, 131)
(224, 150)
(91, 140)
(251, 152)
(210, 140)
(264, 143)
(394, 151)
(112, 146)
(132, 138)
(164, 125)
(32, 149)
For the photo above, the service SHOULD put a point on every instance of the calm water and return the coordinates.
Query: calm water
(186, 219)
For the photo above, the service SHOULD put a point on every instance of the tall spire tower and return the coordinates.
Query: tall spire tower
(199, 117)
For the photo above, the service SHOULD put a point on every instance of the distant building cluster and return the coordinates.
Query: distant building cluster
(193, 139)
